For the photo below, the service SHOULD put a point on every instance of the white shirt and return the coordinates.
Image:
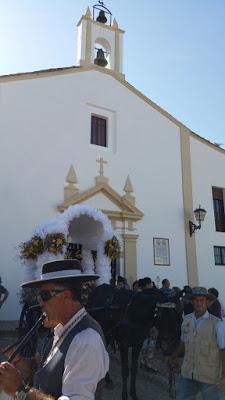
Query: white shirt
(220, 328)
(86, 362)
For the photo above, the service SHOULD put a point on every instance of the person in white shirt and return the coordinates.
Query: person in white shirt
(78, 360)
(203, 345)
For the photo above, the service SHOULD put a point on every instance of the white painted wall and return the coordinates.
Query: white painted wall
(45, 127)
(208, 169)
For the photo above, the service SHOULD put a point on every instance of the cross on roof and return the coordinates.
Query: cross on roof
(101, 162)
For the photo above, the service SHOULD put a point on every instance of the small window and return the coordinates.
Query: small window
(98, 131)
(219, 255)
(218, 205)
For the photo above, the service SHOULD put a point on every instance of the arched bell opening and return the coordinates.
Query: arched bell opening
(102, 53)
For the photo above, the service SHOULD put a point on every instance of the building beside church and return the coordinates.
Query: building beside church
(84, 135)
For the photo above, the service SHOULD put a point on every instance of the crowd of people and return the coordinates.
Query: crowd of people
(202, 339)
(75, 360)
(181, 297)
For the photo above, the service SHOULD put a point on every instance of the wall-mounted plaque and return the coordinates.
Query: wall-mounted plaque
(161, 251)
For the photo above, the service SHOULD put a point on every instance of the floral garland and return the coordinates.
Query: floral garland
(112, 248)
(32, 249)
(53, 243)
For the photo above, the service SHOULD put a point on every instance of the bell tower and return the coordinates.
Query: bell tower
(100, 40)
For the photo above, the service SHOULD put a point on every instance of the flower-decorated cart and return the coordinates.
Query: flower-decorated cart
(81, 232)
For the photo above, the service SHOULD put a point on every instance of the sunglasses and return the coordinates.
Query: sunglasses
(46, 295)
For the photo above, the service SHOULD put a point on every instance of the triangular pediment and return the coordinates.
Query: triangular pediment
(104, 197)
(102, 201)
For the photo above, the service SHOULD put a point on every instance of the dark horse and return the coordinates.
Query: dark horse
(168, 323)
(125, 317)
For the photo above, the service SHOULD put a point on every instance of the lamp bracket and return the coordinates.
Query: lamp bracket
(193, 227)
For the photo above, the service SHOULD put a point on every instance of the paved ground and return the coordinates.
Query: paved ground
(150, 386)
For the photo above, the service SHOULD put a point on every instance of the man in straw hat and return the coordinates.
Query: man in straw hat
(203, 344)
(78, 360)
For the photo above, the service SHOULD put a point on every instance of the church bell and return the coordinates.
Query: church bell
(101, 17)
(100, 58)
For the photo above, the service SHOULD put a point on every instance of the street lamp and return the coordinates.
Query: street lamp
(199, 216)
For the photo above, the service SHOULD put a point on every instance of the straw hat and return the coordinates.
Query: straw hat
(200, 291)
(61, 270)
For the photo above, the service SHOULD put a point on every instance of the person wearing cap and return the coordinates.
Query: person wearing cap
(77, 360)
(203, 344)
(3, 293)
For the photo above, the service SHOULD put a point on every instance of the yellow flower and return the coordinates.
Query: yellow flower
(51, 249)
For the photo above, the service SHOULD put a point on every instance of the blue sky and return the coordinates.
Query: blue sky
(174, 50)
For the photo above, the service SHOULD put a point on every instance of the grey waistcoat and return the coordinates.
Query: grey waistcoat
(48, 378)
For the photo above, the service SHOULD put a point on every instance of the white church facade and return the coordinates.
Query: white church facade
(84, 135)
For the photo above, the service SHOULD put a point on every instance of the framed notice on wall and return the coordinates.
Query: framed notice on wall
(161, 251)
